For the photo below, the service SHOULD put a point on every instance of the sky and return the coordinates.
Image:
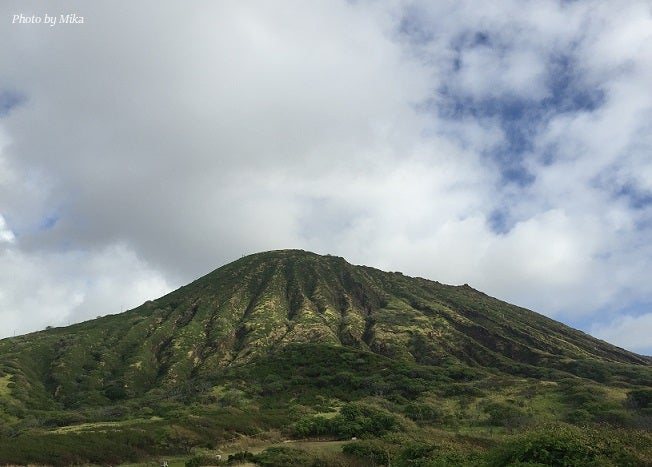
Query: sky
(505, 144)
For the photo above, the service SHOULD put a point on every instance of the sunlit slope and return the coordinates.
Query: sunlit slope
(259, 304)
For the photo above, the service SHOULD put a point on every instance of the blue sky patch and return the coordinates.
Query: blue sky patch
(413, 28)
(568, 92)
(635, 197)
(48, 222)
(499, 222)
(8, 101)
(520, 118)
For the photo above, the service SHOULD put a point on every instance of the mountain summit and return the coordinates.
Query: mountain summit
(265, 301)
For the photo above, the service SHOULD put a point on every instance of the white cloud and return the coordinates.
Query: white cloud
(6, 235)
(192, 126)
(57, 289)
(166, 141)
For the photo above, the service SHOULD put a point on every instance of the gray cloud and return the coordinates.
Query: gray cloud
(449, 140)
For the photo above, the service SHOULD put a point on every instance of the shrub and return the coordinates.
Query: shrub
(373, 450)
(353, 420)
(312, 426)
(416, 453)
(501, 414)
(579, 417)
(640, 398)
(427, 413)
(282, 456)
(239, 457)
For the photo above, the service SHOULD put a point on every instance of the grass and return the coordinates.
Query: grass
(99, 426)
(5, 391)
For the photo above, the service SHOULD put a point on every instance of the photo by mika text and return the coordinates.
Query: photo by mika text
(47, 19)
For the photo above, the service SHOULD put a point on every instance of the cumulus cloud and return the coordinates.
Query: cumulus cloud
(193, 125)
(505, 145)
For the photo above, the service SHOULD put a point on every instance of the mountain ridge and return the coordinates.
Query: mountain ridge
(261, 302)
(215, 276)
(270, 342)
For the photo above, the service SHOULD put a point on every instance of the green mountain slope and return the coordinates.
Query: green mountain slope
(263, 302)
(286, 331)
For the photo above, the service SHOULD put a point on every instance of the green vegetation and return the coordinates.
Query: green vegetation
(353, 420)
(570, 445)
(290, 345)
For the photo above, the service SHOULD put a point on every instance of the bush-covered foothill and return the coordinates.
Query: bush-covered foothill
(307, 371)
(411, 453)
(422, 454)
(566, 445)
(109, 447)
